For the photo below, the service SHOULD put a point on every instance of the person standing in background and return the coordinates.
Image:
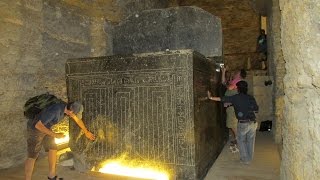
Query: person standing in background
(231, 120)
(245, 107)
(262, 48)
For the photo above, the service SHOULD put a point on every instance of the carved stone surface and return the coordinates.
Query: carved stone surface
(150, 108)
(172, 28)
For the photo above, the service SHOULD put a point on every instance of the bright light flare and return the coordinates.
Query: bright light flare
(117, 168)
(63, 140)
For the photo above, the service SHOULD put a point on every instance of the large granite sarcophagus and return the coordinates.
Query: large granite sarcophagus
(149, 106)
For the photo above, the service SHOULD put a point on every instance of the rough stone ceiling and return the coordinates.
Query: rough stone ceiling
(97, 8)
(216, 3)
(111, 9)
(261, 6)
(218, 7)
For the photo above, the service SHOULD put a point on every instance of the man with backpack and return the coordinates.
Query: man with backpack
(245, 107)
(40, 133)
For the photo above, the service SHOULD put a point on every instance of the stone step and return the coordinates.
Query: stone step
(258, 72)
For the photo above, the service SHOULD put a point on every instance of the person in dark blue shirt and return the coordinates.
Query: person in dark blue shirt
(245, 107)
(40, 134)
(262, 48)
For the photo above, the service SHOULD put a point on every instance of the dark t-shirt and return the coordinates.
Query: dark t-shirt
(49, 116)
(262, 43)
(244, 105)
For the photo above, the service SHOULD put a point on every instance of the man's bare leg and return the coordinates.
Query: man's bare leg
(28, 168)
(263, 65)
(233, 144)
(52, 159)
(234, 133)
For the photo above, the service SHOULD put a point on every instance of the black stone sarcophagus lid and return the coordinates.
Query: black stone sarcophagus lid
(175, 28)
(150, 107)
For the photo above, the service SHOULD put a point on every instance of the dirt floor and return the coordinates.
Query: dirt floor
(265, 166)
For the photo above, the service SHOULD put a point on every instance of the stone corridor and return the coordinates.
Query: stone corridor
(39, 36)
(265, 165)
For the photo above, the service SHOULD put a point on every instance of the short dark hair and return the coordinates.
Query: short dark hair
(74, 106)
(242, 87)
(243, 73)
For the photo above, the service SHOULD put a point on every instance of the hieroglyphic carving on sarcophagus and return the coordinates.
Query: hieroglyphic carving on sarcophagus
(150, 107)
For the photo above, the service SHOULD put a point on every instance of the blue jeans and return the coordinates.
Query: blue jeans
(246, 134)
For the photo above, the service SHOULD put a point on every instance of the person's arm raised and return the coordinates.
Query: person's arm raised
(223, 75)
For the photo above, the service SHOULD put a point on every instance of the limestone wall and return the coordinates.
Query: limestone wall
(36, 39)
(240, 28)
(19, 47)
(128, 7)
(300, 39)
(263, 96)
(277, 68)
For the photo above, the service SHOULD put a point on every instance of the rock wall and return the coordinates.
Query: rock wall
(19, 47)
(128, 7)
(37, 37)
(240, 28)
(263, 96)
(277, 68)
(300, 39)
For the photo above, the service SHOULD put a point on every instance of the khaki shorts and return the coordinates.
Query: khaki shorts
(36, 140)
(262, 56)
(232, 120)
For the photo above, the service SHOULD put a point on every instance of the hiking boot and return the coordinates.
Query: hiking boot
(234, 149)
(233, 143)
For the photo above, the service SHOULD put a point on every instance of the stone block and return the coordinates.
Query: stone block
(150, 107)
(235, 62)
(56, 51)
(18, 82)
(10, 11)
(98, 39)
(259, 80)
(59, 20)
(240, 40)
(34, 5)
(265, 91)
(130, 6)
(171, 28)
(12, 121)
